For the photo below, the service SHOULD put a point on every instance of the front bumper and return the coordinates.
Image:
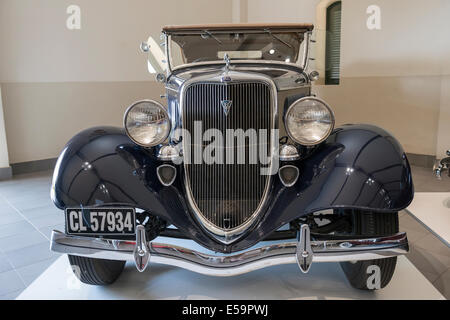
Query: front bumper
(303, 252)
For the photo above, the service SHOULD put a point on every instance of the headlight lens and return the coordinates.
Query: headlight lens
(147, 123)
(309, 121)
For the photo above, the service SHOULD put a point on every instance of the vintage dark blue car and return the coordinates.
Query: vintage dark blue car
(244, 160)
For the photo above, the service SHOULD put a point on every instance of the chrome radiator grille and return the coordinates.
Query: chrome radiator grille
(228, 195)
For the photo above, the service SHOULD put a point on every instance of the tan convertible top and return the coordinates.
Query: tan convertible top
(239, 27)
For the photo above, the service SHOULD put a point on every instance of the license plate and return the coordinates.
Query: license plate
(100, 221)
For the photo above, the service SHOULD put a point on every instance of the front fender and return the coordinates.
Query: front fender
(358, 167)
(102, 167)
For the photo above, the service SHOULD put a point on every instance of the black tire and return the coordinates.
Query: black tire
(368, 224)
(96, 271)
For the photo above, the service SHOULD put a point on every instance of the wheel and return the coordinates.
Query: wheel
(96, 271)
(371, 274)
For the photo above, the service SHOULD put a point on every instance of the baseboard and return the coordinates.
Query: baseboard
(421, 160)
(5, 173)
(33, 166)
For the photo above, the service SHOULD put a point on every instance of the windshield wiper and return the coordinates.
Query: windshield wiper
(211, 35)
(277, 38)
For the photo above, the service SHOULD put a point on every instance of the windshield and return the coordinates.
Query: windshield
(212, 46)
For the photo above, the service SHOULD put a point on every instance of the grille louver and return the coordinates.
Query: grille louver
(228, 195)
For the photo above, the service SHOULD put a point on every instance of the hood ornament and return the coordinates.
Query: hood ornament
(226, 105)
(225, 76)
(226, 58)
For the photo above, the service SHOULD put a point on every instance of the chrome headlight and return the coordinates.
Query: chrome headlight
(147, 123)
(309, 121)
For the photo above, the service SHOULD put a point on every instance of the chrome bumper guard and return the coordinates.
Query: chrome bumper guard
(303, 252)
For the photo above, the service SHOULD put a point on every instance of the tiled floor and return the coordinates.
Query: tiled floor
(27, 217)
(26, 209)
(428, 253)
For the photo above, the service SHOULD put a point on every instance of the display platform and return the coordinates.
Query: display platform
(324, 281)
(432, 209)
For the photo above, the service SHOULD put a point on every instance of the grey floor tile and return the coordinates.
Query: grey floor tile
(413, 235)
(20, 241)
(424, 181)
(10, 282)
(37, 187)
(434, 244)
(18, 190)
(6, 209)
(47, 231)
(11, 217)
(4, 263)
(31, 195)
(21, 227)
(443, 284)
(427, 261)
(411, 223)
(47, 220)
(31, 272)
(33, 202)
(415, 231)
(430, 276)
(29, 255)
(41, 211)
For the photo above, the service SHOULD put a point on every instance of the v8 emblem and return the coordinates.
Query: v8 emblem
(226, 105)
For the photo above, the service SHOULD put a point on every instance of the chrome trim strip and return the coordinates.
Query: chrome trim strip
(234, 62)
(228, 236)
(233, 264)
(305, 58)
(167, 47)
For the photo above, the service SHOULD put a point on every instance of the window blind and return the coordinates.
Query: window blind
(333, 44)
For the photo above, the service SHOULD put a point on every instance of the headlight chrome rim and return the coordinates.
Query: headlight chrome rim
(303, 143)
(169, 128)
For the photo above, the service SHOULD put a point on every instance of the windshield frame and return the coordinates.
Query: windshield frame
(303, 54)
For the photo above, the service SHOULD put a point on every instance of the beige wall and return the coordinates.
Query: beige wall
(443, 140)
(413, 40)
(281, 10)
(408, 107)
(57, 82)
(393, 77)
(44, 116)
(37, 46)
